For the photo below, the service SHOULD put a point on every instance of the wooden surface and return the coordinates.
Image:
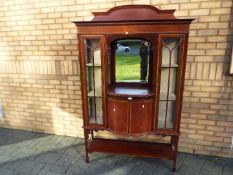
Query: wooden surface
(160, 150)
(133, 12)
(130, 91)
(140, 116)
(130, 117)
(118, 115)
(132, 108)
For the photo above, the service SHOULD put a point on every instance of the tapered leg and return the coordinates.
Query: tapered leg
(92, 134)
(86, 132)
(174, 165)
(174, 141)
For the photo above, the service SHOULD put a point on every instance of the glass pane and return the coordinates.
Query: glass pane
(132, 59)
(98, 82)
(99, 111)
(166, 113)
(169, 68)
(94, 86)
(93, 53)
(95, 110)
(170, 52)
(90, 85)
(94, 82)
(168, 84)
(91, 109)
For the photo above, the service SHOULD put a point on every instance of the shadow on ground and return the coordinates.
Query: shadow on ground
(28, 153)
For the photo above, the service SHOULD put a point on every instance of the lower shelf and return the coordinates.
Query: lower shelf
(157, 150)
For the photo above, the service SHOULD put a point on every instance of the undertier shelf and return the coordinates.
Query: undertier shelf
(158, 150)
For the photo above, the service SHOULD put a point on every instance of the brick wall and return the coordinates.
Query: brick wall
(39, 71)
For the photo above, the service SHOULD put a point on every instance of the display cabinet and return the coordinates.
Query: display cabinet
(132, 61)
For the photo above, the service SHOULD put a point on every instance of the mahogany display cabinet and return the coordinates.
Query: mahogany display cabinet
(132, 61)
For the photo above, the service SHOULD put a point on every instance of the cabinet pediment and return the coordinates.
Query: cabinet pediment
(134, 12)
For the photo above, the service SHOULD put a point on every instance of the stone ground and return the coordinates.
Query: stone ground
(29, 153)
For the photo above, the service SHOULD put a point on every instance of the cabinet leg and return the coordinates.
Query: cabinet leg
(86, 145)
(174, 142)
(92, 134)
(174, 166)
(87, 158)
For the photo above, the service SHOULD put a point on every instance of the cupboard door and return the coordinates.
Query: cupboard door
(118, 112)
(140, 116)
(170, 62)
(93, 64)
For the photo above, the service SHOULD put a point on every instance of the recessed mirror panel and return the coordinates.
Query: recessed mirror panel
(132, 60)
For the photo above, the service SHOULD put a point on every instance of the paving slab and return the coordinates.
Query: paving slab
(30, 153)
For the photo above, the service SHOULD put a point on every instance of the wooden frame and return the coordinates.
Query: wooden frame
(139, 102)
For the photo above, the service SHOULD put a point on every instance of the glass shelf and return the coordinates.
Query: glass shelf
(169, 66)
(91, 65)
(163, 96)
(92, 119)
(169, 123)
(98, 93)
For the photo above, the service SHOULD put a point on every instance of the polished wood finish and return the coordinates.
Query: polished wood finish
(130, 116)
(135, 13)
(118, 115)
(159, 150)
(140, 116)
(133, 108)
(131, 89)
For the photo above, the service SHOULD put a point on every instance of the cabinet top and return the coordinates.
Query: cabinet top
(134, 13)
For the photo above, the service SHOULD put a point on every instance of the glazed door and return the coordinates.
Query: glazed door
(93, 66)
(170, 69)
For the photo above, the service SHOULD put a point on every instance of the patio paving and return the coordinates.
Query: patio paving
(29, 153)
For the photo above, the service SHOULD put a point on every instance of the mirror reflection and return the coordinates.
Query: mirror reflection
(132, 60)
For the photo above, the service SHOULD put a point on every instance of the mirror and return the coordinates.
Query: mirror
(132, 60)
